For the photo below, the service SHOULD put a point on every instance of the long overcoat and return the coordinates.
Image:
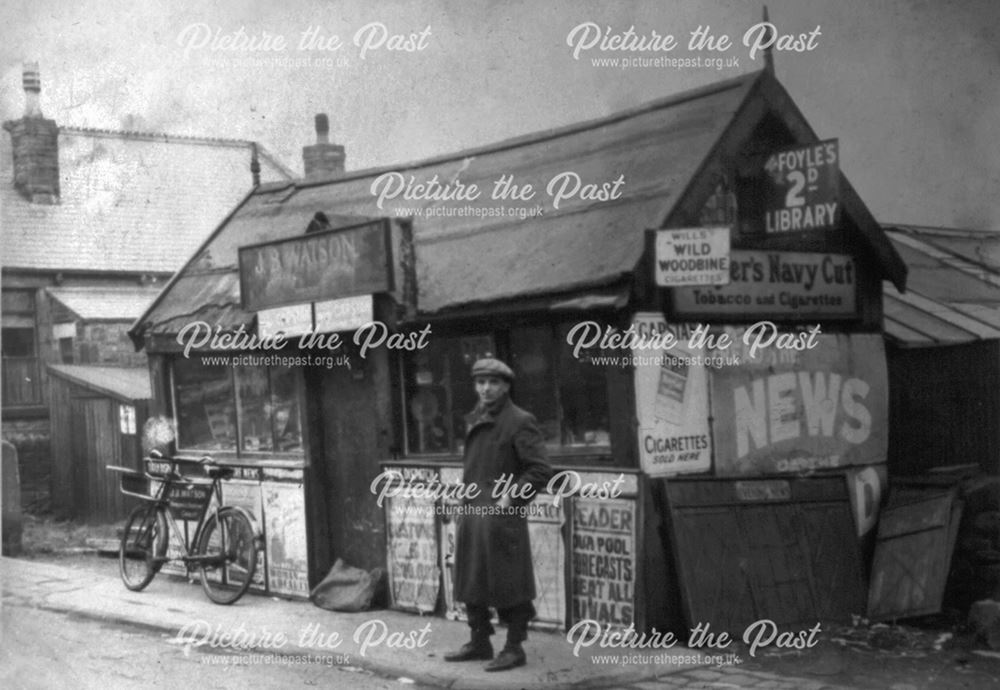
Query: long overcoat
(493, 565)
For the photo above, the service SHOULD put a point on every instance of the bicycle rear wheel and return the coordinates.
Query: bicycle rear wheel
(228, 547)
(143, 545)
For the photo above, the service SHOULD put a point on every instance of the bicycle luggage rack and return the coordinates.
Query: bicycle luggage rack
(132, 483)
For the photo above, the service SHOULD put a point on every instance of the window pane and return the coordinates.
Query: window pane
(255, 419)
(206, 409)
(285, 418)
(583, 393)
(534, 389)
(439, 392)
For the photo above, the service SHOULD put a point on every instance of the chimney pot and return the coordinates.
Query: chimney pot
(32, 83)
(34, 145)
(322, 129)
(323, 159)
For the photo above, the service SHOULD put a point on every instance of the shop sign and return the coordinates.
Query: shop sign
(801, 410)
(603, 567)
(693, 256)
(285, 527)
(671, 395)
(345, 314)
(319, 266)
(414, 573)
(801, 188)
(765, 490)
(790, 285)
(294, 319)
(187, 501)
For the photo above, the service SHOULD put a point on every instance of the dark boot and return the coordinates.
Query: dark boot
(478, 648)
(475, 650)
(516, 618)
(511, 656)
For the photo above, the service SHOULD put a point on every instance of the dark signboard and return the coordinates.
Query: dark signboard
(319, 266)
(801, 188)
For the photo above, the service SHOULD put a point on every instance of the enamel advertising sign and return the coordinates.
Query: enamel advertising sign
(782, 285)
(671, 404)
(799, 411)
(801, 188)
(693, 256)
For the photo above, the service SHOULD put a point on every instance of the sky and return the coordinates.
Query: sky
(910, 88)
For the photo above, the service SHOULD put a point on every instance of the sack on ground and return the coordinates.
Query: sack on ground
(346, 588)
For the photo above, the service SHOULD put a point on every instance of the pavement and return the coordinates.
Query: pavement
(389, 643)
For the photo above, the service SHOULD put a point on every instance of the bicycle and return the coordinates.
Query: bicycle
(223, 547)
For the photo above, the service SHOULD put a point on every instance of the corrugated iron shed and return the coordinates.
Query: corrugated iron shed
(478, 259)
(127, 384)
(949, 300)
(105, 303)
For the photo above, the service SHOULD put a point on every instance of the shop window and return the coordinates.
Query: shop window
(532, 357)
(583, 396)
(439, 392)
(247, 409)
(268, 405)
(205, 405)
(567, 395)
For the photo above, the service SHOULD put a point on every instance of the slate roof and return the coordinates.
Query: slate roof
(104, 303)
(481, 259)
(130, 201)
(127, 384)
(953, 287)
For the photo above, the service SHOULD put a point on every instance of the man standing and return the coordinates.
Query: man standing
(493, 554)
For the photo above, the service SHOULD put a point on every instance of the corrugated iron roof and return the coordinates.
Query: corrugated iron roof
(974, 248)
(950, 300)
(129, 201)
(128, 384)
(103, 303)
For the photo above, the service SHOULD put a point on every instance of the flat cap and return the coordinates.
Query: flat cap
(492, 367)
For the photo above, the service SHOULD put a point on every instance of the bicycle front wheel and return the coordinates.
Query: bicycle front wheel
(228, 550)
(143, 546)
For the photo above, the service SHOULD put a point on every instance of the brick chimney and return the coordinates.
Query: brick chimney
(35, 144)
(323, 159)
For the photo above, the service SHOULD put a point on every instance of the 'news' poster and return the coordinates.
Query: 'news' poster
(491, 171)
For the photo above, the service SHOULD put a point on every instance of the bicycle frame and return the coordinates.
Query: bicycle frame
(162, 499)
(176, 532)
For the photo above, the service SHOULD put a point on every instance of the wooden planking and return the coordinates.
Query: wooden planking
(794, 561)
(913, 555)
